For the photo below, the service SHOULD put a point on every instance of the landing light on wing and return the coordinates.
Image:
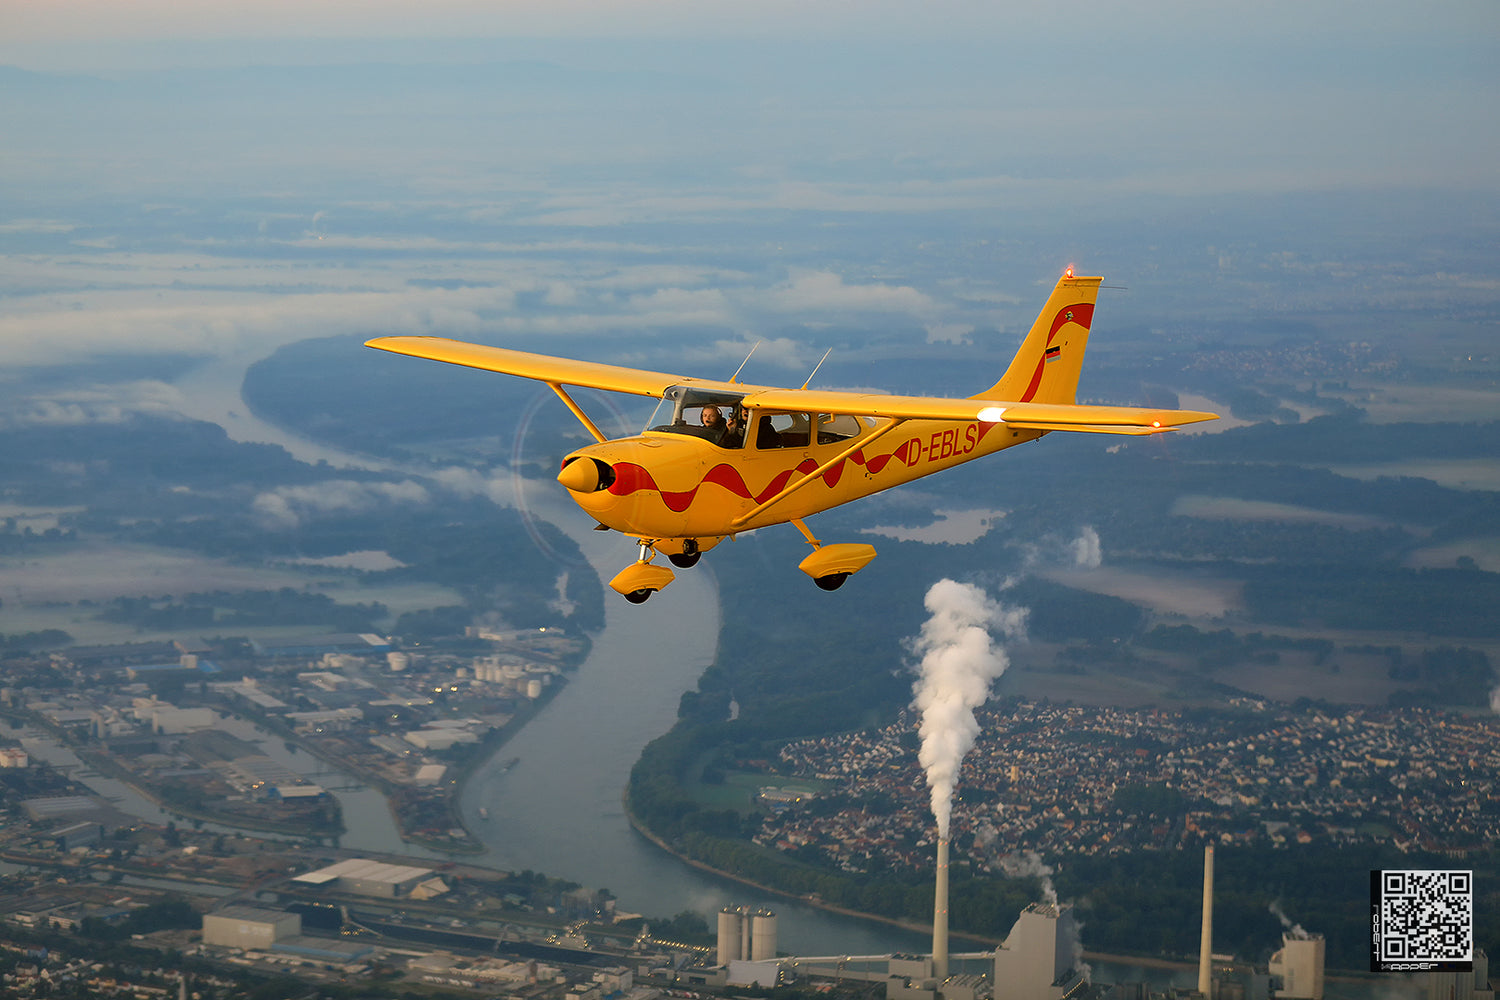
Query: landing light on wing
(991, 414)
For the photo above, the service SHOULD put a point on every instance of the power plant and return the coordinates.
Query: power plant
(1041, 958)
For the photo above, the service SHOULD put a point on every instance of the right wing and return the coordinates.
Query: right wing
(544, 367)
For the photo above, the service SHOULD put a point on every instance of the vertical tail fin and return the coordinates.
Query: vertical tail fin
(1045, 369)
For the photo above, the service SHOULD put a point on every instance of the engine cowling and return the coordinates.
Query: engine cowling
(586, 475)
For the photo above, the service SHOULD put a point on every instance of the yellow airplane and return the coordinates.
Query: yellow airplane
(719, 458)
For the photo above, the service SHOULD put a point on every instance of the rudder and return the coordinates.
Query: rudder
(1046, 368)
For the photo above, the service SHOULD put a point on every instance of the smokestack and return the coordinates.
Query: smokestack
(1206, 942)
(940, 914)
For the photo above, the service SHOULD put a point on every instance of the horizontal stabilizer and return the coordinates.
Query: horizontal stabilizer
(1095, 419)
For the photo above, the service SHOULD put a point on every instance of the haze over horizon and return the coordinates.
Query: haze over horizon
(219, 180)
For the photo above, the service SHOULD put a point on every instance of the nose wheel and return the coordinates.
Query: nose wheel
(638, 582)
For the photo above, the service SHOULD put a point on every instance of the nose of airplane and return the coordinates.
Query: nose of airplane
(586, 475)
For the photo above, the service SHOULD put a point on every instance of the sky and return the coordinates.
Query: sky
(46, 21)
(220, 178)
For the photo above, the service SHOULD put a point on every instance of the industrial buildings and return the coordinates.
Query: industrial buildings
(249, 927)
(746, 936)
(1473, 985)
(363, 877)
(1299, 966)
(1039, 959)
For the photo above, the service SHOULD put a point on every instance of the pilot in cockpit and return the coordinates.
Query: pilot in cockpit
(721, 431)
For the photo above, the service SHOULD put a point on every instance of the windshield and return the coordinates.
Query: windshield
(714, 416)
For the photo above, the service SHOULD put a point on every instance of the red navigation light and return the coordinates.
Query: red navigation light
(1069, 272)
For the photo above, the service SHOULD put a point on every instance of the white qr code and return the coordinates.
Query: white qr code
(1422, 920)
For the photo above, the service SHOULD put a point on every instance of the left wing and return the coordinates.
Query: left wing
(543, 367)
(1022, 416)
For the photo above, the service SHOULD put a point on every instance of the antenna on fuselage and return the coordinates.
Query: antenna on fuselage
(736, 376)
(816, 367)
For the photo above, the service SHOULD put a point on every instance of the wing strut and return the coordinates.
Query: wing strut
(583, 417)
(796, 485)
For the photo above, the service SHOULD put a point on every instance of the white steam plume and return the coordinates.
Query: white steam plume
(1286, 921)
(959, 660)
(1030, 864)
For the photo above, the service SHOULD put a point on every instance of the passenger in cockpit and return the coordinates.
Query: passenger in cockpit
(734, 429)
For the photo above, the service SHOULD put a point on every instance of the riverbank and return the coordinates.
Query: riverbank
(809, 900)
(486, 752)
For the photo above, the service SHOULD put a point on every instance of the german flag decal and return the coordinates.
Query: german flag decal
(1053, 353)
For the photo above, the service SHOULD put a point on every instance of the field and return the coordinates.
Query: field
(1189, 595)
(50, 592)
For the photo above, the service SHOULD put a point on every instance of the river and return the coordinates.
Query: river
(558, 810)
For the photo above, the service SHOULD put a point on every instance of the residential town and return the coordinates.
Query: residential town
(1055, 780)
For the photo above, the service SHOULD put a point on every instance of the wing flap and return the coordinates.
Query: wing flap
(1028, 416)
(543, 367)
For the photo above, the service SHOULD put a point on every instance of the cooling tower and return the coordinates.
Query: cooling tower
(1206, 939)
(940, 914)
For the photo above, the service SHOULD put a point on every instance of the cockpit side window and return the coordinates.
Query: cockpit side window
(836, 427)
(782, 430)
(716, 417)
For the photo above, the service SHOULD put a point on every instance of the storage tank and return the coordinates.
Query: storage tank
(397, 661)
(729, 936)
(763, 936)
(534, 688)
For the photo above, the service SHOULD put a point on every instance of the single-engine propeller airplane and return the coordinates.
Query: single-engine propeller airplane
(719, 458)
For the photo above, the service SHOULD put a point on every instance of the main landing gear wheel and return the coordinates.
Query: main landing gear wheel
(639, 596)
(833, 581)
(688, 557)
